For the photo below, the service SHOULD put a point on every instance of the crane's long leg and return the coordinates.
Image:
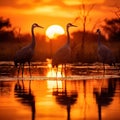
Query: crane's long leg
(29, 69)
(23, 86)
(104, 67)
(22, 69)
(56, 71)
(18, 70)
(65, 71)
(62, 70)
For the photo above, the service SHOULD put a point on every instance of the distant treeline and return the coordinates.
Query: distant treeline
(11, 41)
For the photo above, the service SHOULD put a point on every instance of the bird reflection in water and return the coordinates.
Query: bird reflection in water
(25, 96)
(105, 97)
(65, 98)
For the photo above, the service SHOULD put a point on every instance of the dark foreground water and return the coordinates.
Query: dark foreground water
(80, 93)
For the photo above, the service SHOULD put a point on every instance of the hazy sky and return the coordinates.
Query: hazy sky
(23, 13)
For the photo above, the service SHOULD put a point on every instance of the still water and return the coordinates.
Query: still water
(77, 95)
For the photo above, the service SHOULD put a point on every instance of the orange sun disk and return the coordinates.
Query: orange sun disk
(53, 31)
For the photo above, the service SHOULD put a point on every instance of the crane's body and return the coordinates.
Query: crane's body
(25, 54)
(63, 55)
(104, 53)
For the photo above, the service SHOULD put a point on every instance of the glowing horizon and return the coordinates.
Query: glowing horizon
(47, 12)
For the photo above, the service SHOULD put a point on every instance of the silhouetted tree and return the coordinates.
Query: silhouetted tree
(112, 29)
(84, 17)
(5, 34)
(4, 23)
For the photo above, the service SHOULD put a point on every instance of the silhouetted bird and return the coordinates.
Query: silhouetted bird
(25, 54)
(104, 53)
(63, 55)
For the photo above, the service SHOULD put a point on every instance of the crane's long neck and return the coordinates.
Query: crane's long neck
(33, 38)
(68, 36)
(99, 36)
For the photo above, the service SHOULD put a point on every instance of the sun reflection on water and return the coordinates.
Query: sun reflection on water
(54, 72)
(51, 84)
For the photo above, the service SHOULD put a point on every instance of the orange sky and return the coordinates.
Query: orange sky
(23, 13)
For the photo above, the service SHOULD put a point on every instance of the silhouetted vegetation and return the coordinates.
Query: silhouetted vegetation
(83, 18)
(5, 32)
(4, 23)
(112, 29)
(10, 42)
(90, 47)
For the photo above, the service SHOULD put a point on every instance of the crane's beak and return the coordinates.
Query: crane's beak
(40, 26)
(74, 26)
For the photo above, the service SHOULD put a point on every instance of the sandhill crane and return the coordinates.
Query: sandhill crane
(25, 54)
(104, 53)
(63, 55)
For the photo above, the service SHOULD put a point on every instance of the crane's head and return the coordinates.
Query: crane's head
(98, 31)
(36, 25)
(71, 25)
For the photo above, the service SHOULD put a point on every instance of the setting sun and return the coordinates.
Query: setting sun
(54, 30)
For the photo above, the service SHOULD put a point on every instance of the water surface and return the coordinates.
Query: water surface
(80, 93)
